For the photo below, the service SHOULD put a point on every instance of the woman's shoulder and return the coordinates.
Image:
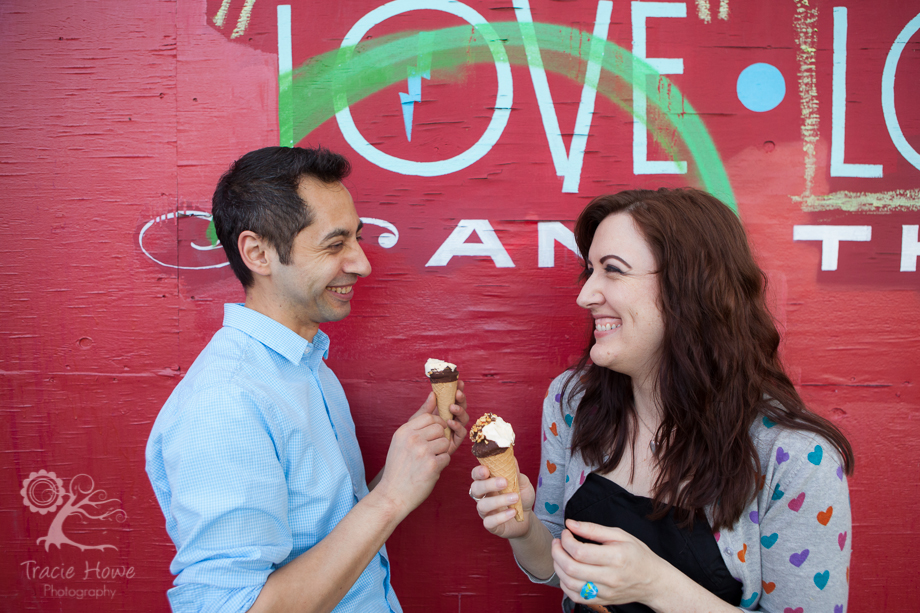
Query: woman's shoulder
(780, 444)
(562, 398)
(567, 381)
(565, 391)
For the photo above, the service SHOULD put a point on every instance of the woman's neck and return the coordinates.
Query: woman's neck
(647, 402)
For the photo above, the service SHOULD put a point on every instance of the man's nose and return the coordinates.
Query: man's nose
(358, 263)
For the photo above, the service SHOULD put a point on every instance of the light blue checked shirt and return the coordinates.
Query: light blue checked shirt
(254, 460)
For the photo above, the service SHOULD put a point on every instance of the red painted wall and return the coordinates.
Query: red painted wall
(117, 115)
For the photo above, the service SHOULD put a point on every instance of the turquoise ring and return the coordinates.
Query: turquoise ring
(589, 591)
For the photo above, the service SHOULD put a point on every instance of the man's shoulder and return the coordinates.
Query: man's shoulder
(230, 356)
(227, 367)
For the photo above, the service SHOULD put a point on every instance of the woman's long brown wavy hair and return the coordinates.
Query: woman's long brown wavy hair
(720, 367)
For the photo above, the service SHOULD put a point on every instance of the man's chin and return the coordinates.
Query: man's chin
(337, 313)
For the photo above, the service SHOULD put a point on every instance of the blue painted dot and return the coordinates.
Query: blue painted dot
(761, 87)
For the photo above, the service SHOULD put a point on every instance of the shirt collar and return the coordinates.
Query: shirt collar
(276, 336)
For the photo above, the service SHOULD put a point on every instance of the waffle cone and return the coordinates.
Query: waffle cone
(446, 395)
(503, 465)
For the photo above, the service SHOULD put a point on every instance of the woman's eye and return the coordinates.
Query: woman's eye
(612, 269)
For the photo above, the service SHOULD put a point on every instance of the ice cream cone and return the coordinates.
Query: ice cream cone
(446, 395)
(503, 465)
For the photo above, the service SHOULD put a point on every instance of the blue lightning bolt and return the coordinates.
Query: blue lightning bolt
(408, 100)
(421, 71)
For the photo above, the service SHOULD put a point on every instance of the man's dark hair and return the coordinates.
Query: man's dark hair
(259, 194)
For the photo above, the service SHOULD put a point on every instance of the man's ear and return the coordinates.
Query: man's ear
(257, 254)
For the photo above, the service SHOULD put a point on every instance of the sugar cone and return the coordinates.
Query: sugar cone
(502, 465)
(446, 395)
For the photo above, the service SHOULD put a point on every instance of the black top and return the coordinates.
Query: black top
(693, 552)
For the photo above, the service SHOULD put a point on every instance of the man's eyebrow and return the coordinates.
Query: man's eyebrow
(607, 257)
(341, 232)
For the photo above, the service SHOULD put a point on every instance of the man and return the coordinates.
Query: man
(253, 458)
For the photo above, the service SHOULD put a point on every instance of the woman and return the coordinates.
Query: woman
(681, 470)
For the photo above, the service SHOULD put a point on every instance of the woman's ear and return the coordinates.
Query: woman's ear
(256, 253)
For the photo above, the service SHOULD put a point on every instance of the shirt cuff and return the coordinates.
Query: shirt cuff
(553, 580)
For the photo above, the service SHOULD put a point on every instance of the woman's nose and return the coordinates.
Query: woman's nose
(589, 295)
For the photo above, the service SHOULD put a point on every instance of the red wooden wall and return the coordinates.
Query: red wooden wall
(117, 118)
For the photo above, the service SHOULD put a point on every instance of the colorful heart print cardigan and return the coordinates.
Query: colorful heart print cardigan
(791, 547)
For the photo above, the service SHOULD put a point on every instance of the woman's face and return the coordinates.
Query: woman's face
(623, 296)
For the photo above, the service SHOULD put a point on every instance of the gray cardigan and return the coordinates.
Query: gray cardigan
(791, 547)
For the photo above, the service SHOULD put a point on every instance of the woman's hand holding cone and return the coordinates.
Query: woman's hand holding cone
(496, 509)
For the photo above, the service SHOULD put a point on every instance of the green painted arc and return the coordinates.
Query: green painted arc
(329, 82)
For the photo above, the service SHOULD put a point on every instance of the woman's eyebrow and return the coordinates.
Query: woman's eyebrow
(607, 257)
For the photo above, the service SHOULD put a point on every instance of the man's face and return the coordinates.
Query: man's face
(326, 261)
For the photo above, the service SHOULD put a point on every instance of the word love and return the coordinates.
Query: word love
(569, 164)
(34, 570)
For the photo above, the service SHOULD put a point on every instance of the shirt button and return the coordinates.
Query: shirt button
(728, 550)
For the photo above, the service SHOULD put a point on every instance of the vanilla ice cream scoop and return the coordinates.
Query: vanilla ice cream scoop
(491, 435)
(435, 365)
(499, 432)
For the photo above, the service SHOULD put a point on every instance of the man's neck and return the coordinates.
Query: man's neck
(275, 309)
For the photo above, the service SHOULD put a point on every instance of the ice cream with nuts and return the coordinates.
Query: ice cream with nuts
(444, 379)
(493, 446)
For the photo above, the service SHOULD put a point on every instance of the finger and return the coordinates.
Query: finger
(523, 482)
(584, 553)
(486, 486)
(439, 444)
(428, 407)
(430, 426)
(459, 410)
(566, 582)
(493, 521)
(460, 397)
(597, 532)
(442, 460)
(459, 402)
(479, 473)
(572, 576)
(477, 491)
(491, 504)
(459, 432)
(560, 556)
(431, 403)
(569, 558)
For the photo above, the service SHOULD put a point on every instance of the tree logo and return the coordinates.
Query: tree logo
(44, 492)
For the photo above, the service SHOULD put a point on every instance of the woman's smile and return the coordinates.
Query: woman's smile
(602, 325)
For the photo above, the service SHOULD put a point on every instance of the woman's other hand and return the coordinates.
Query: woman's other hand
(621, 567)
(495, 508)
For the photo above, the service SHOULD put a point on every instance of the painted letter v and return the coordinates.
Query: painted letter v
(567, 166)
